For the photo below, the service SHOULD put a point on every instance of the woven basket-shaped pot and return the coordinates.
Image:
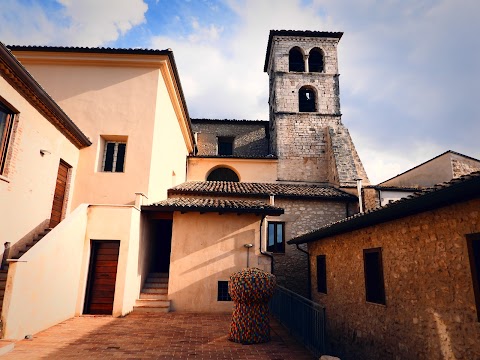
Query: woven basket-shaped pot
(250, 290)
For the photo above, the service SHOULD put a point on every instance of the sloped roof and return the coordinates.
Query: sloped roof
(325, 34)
(425, 162)
(231, 121)
(23, 82)
(457, 190)
(261, 190)
(214, 205)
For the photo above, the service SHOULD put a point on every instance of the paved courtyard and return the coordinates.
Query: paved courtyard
(152, 336)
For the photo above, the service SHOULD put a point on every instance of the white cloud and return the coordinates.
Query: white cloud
(73, 23)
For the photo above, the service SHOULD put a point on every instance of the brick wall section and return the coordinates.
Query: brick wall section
(300, 216)
(430, 307)
(250, 137)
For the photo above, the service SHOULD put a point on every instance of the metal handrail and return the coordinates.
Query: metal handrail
(303, 318)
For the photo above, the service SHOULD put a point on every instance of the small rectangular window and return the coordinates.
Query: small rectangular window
(6, 125)
(114, 156)
(473, 244)
(276, 237)
(374, 281)
(225, 146)
(223, 294)
(322, 274)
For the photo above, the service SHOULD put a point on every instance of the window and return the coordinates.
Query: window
(276, 237)
(225, 145)
(223, 294)
(374, 282)
(6, 124)
(315, 60)
(473, 244)
(114, 156)
(295, 60)
(306, 99)
(322, 274)
(223, 174)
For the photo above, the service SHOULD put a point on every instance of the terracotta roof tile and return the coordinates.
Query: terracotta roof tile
(214, 205)
(260, 190)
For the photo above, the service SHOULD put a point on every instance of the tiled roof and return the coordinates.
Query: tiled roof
(260, 190)
(231, 121)
(325, 34)
(457, 190)
(214, 205)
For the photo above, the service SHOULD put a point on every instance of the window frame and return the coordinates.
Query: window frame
(474, 261)
(6, 136)
(222, 286)
(374, 288)
(276, 248)
(225, 140)
(322, 274)
(114, 156)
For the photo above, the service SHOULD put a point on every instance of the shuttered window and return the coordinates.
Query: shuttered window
(6, 124)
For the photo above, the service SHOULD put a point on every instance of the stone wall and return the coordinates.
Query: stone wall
(301, 216)
(250, 137)
(430, 310)
(370, 198)
(462, 166)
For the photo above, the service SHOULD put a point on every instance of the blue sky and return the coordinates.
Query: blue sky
(409, 84)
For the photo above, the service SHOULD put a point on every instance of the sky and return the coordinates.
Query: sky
(409, 69)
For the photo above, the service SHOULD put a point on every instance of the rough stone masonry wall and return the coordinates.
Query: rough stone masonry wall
(250, 137)
(301, 216)
(462, 166)
(430, 307)
(302, 145)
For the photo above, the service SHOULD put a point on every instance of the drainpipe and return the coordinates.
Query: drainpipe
(272, 262)
(309, 272)
(359, 190)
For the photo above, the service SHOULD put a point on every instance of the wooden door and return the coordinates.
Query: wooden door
(101, 278)
(59, 195)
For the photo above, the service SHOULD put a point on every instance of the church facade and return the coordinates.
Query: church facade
(155, 209)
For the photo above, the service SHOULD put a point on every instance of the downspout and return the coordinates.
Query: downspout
(309, 271)
(272, 262)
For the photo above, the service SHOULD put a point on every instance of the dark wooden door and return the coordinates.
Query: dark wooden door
(59, 195)
(101, 278)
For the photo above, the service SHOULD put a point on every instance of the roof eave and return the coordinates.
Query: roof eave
(18, 77)
(270, 212)
(455, 193)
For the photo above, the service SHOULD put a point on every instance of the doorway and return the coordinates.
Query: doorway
(59, 195)
(161, 245)
(102, 275)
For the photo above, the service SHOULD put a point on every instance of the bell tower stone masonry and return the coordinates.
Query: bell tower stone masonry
(306, 131)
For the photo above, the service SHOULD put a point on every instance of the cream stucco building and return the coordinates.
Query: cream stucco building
(114, 200)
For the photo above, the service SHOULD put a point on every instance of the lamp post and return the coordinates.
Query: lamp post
(248, 246)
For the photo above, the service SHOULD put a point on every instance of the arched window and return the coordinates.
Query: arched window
(223, 174)
(295, 60)
(315, 60)
(306, 99)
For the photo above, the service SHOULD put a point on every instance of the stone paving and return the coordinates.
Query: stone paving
(153, 336)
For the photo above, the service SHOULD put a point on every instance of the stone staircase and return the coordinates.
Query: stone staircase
(154, 295)
(31, 244)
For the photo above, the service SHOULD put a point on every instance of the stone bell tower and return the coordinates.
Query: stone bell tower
(306, 131)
